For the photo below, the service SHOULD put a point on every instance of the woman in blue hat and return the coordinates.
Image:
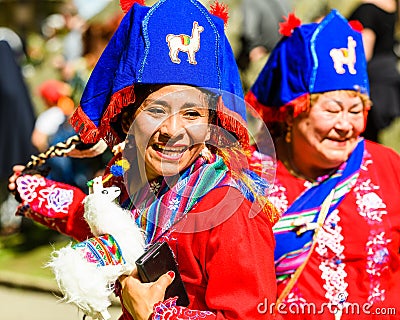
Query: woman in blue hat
(337, 242)
(168, 87)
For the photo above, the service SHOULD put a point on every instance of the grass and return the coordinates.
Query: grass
(27, 252)
(390, 136)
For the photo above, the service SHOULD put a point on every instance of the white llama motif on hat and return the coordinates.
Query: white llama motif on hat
(342, 56)
(185, 43)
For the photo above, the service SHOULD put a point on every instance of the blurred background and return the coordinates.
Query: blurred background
(54, 35)
(62, 39)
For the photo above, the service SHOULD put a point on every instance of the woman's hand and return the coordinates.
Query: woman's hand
(11, 181)
(139, 298)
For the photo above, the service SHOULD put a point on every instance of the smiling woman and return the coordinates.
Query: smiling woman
(171, 127)
(325, 136)
(338, 240)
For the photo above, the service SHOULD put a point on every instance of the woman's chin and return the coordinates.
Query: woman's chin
(335, 158)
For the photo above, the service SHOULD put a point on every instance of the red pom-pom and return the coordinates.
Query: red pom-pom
(356, 25)
(126, 5)
(220, 10)
(286, 28)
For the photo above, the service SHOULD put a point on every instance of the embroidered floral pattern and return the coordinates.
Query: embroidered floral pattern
(372, 208)
(294, 297)
(57, 199)
(169, 236)
(377, 262)
(27, 186)
(330, 249)
(35, 191)
(155, 186)
(278, 197)
(168, 310)
(370, 205)
(173, 204)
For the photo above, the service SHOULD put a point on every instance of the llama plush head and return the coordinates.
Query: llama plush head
(86, 271)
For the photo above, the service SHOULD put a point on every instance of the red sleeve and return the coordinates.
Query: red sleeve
(53, 204)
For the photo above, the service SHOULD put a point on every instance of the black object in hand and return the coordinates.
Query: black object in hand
(156, 261)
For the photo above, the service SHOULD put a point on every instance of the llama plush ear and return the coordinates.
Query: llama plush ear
(95, 185)
(126, 5)
(220, 10)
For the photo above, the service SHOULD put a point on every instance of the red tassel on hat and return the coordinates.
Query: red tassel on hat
(356, 25)
(286, 28)
(126, 5)
(220, 10)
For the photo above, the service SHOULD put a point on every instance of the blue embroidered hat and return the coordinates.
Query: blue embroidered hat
(172, 42)
(315, 58)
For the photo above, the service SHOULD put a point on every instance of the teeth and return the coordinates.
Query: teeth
(170, 150)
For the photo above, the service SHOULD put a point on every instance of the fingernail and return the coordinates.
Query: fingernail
(18, 173)
(171, 274)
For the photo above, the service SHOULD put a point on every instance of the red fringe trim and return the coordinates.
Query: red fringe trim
(275, 114)
(300, 104)
(231, 121)
(279, 114)
(88, 131)
(119, 100)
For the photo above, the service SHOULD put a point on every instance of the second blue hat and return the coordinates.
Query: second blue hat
(315, 58)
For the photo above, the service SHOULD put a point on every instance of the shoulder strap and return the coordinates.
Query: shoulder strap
(293, 279)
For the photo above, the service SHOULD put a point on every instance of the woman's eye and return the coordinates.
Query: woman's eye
(156, 110)
(356, 112)
(191, 114)
(332, 110)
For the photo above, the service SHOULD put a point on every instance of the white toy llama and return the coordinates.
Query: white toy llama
(86, 272)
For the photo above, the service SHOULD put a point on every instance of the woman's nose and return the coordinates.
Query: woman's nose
(343, 123)
(171, 126)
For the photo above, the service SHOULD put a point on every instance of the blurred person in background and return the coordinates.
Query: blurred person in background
(259, 33)
(54, 94)
(17, 121)
(77, 38)
(379, 18)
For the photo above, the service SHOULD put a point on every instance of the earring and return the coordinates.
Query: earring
(206, 154)
(288, 136)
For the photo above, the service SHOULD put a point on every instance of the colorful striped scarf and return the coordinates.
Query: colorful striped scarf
(163, 202)
(292, 248)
